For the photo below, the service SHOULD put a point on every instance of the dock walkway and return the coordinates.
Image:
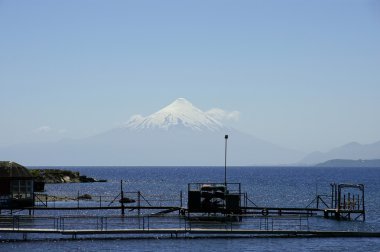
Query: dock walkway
(175, 232)
(153, 226)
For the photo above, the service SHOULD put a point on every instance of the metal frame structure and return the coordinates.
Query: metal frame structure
(345, 204)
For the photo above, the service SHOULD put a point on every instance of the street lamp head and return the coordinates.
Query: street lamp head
(226, 136)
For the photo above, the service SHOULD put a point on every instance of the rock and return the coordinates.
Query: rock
(85, 179)
(60, 176)
(66, 179)
(85, 197)
(127, 200)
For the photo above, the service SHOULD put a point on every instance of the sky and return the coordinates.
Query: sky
(301, 74)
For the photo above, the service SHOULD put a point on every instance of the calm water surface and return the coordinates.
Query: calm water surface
(266, 186)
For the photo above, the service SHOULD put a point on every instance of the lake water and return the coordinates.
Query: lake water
(265, 186)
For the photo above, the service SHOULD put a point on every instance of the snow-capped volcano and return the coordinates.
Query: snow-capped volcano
(180, 113)
(178, 134)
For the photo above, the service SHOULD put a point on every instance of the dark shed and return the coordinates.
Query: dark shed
(16, 186)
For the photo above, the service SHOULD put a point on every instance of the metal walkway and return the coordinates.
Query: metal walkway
(196, 231)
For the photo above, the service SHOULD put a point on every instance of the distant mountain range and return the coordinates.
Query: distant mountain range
(180, 134)
(350, 163)
(349, 151)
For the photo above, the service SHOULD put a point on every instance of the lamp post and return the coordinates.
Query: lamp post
(225, 161)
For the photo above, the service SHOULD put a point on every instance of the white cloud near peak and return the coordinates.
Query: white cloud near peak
(48, 129)
(43, 129)
(223, 115)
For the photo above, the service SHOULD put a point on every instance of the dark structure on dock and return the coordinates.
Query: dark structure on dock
(16, 186)
(214, 198)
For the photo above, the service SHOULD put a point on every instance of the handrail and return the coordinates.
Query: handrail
(148, 222)
(114, 199)
(36, 195)
(250, 201)
(142, 196)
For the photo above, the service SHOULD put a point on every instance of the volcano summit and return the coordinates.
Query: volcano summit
(180, 113)
(179, 134)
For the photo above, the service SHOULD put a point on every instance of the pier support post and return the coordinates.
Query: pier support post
(122, 198)
(326, 214)
(363, 207)
(181, 197)
(337, 215)
(332, 196)
(139, 203)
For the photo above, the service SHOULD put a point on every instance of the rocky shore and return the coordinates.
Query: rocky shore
(50, 176)
(51, 198)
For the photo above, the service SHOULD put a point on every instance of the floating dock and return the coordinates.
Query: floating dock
(213, 209)
(74, 227)
(75, 234)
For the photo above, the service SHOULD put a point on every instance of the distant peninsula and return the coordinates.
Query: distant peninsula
(51, 176)
(350, 163)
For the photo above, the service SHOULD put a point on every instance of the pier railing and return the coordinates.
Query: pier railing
(148, 223)
(84, 200)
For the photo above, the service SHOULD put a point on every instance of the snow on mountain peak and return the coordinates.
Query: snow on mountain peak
(180, 113)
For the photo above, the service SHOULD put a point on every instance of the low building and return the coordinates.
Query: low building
(16, 186)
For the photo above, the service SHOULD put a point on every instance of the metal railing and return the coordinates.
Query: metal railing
(139, 199)
(148, 223)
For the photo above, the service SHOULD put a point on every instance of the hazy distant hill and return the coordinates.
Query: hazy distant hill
(178, 134)
(351, 151)
(350, 163)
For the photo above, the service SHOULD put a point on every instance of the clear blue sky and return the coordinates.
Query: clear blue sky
(303, 74)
